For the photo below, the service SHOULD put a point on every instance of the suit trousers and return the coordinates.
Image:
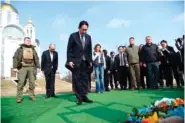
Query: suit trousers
(81, 81)
(142, 77)
(113, 76)
(123, 75)
(106, 79)
(50, 83)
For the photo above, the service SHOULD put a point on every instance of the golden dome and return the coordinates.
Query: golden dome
(8, 7)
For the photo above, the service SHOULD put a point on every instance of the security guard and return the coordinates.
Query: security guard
(25, 63)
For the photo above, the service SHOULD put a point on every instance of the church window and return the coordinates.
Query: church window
(27, 32)
(9, 17)
(17, 19)
(31, 32)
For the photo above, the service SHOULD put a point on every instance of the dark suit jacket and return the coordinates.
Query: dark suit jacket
(117, 61)
(112, 65)
(108, 61)
(168, 56)
(46, 64)
(179, 62)
(75, 50)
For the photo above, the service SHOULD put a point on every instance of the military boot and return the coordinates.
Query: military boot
(19, 100)
(32, 98)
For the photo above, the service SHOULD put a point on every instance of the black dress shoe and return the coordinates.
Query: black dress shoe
(46, 97)
(54, 96)
(79, 102)
(87, 100)
(107, 90)
(124, 88)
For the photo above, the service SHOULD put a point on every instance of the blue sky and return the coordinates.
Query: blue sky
(111, 23)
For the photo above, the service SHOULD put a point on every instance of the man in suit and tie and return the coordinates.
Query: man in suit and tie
(122, 67)
(49, 66)
(79, 59)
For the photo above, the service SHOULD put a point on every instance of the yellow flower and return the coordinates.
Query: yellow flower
(155, 116)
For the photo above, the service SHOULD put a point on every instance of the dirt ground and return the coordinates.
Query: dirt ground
(8, 87)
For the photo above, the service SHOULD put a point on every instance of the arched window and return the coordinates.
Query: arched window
(31, 32)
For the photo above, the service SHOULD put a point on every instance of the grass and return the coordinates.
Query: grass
(109, 107)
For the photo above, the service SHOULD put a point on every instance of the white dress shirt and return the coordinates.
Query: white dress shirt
(51, 56)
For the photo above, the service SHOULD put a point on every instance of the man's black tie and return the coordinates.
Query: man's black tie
(83, 41)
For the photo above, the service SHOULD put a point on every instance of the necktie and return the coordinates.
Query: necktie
(121, 59)
(51, 55)
(83, 45)
(112, 59)
(83, 41)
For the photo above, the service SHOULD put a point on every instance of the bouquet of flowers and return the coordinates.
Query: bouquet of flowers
(159, 110)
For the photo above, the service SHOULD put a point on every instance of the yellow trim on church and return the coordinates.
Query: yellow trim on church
(8, 7)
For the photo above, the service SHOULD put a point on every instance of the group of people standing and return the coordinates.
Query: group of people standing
(127, 69)
(130, 66)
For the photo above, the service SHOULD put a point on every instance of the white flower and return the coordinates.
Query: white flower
(166, 100)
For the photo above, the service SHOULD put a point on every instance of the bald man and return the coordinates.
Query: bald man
(49, 66)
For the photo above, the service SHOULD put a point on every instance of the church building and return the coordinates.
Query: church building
(12, 34)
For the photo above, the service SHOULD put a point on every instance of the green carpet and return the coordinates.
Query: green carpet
(109, 107)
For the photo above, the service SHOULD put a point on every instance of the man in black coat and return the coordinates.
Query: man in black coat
(168, 60)
(106, 71)
(49, 66)
(150, 60)
(79, 59)
(113, 72)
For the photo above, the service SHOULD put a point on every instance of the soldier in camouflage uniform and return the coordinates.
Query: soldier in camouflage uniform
(25, 63)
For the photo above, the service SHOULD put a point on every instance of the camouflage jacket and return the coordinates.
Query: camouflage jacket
(17, 58)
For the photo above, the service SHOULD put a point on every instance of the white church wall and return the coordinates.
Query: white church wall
(4, 18)
(13, 18)
(11, 46)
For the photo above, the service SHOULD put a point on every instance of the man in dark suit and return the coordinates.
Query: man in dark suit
(49, 66)
(113, 73)
(122, 67)
(79, 59)
(106, 71)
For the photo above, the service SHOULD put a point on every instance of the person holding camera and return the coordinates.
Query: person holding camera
(180, 54)
(169, 66)
(179, 43)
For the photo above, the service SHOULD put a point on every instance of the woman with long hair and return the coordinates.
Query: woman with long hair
(99, 66)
